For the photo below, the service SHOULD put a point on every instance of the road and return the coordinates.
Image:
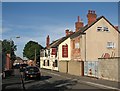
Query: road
(49, 80)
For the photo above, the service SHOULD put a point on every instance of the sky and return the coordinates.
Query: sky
(35, 20)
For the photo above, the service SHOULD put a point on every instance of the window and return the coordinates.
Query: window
(55, 63)
(77, 45)
(48, 52)
(105, 29)
(44, 63)
(48, 63)
(53, 51)
(99, 28)
(65, 50)
(110, 45)
(102, 28)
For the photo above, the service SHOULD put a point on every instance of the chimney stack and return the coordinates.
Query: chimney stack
(67, 32)
(47, 41)
(79, 24)
(91, 16)
(71, 32)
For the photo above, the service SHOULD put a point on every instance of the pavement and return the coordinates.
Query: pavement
(101, 83)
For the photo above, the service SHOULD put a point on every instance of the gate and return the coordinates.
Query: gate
(91, 68)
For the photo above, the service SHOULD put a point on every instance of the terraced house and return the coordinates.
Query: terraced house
(78, 52)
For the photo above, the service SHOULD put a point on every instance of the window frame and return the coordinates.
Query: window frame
(110, 45)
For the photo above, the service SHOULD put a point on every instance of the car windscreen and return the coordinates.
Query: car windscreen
(32, 69)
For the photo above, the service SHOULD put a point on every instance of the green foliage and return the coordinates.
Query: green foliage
(32, 48)
(9, 47)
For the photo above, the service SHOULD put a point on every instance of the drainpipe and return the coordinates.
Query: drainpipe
(85, 47)
(67, 66)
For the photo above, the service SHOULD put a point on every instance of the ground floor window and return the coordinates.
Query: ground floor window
(48, 63)
(55, 64)
(44, 63)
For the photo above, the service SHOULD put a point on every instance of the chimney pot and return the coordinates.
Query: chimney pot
(88, 11)
(67, 32)
(91, 16)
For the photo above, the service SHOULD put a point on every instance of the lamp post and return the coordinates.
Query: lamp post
(11, 45)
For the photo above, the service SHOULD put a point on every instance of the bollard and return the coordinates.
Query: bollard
(22, 81)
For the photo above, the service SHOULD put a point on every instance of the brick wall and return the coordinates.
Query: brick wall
(75, 52)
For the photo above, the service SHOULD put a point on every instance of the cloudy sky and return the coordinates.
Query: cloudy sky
(34, 21)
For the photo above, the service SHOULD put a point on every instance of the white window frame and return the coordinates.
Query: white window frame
(105, 29)
(99, 28)
(77, 45)
(102, 29)
(110, 45)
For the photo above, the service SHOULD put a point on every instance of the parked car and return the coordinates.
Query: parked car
(32, 72)
(23, 67)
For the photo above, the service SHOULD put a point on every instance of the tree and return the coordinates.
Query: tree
(9, 47)
(31, 50)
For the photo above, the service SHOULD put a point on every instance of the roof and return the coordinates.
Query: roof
(18, 58)
(86, 27)
(55, 43)
(80, 32)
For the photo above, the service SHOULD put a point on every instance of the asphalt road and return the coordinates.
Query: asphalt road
(49, 80)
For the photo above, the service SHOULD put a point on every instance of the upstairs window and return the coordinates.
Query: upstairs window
(49, 52)
(99, 28)
(77, 45)
(110, 45)
(102, 29)
(65, 50)
(54, 51)
(105, 29)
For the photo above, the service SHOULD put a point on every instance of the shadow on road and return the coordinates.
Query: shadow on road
(9, 84)
(45, 77)
(32, 80)
(57, 85)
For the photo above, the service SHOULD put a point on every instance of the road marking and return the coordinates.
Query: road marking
(60, 85)
(47, 81)
(80, 81)
(96, 84)
(55, 74)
